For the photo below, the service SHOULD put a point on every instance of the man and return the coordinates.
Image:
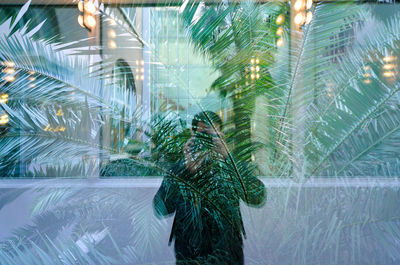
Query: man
(204, 192)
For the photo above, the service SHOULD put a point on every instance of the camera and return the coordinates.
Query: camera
(203, 141)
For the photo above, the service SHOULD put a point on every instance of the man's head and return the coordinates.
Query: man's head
(206, 119)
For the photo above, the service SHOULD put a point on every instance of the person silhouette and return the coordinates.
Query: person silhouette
(204, 192)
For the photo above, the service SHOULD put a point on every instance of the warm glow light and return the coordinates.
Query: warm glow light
(247, 83)
(48, 128)
(280, 42)
(112, 22)
(112, 44)
(90, 21)
(309, 4)
(142, 70)
(112, 34)
(298, 5)
(137, 70)
(252, 76)
(309, 17)
(257, 76)
(31, 72)
(280, 19)
(279, 31)
(367, 75)
(257, 68)
(80, 6)
(142, 77)
(367, 68)
(388, 59)
(142, 62)
(9, 70)
(252, 68)
(252, 61)
(90, 7)
(4, 119)
(59, 112)
(257, 61)
(80, 21)
(32, 78)
(388, 66)
(32, 85)
(388, 74)
(367, 81)
(9, 78)
(299, 19)
(8, 64)
(137, 77)
(4, 98)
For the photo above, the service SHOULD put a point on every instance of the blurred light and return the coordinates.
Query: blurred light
(8, 64)
(367, 75)
(252, 61)
(257, 68)
(59, 129)
(279, 31)
(388, 58)
(388, 66)
(32, 85)
(309, 4)
(112, 22)
(112, 44)
(142, 70)
(367, 68)
(252, 76)
(257, 61)
(80, 6)
(280, 42)
(4, 98)
(9, 70)
(299, 19)
(142, 77)
(59, 112)
(137, 70)
(80, 21)
(142, 62)
(247, 76)
(247, 83)
(90, 21)
(257, 76)
(280, 19)
(137, 77)
(112, 34)
(298, 5)
(9, 78)
(4, 119)
(48, 128)
(388, 74)
(32, 78)
(90, 7)
(367, 81)
(31, 72)
(252, 68)
(309, 17)
(137, 62)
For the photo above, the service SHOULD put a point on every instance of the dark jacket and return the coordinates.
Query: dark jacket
(208, 225)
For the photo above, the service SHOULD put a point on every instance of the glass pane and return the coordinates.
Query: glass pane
(114, 115)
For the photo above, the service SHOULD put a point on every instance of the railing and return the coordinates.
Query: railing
(153, 182)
